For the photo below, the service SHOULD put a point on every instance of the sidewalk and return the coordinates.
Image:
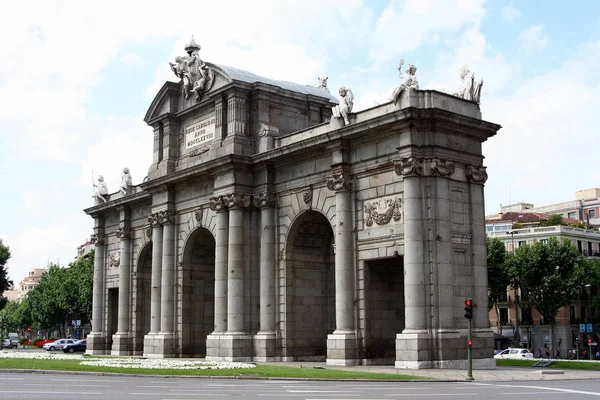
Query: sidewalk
(499, 374)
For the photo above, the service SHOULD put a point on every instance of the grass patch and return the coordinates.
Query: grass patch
(581, 365)
(259, 372)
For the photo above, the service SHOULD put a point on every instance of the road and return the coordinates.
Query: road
(33, 386)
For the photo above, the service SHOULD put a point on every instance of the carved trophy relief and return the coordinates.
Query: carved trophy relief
(114, 259)
(382, 211)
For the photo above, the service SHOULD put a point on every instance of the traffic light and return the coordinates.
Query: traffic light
(589, 341)
(469, 308)
(469, 344)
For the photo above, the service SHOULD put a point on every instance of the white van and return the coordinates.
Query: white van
(14, 339)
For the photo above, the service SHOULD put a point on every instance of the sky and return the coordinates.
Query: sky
(78, 76)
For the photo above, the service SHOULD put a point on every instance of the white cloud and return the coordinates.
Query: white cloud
(533, 39)
(132, 59)
(546, 134)
(406, 26)
(510, 12)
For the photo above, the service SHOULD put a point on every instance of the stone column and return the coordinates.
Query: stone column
(236, 203)
(264, 340)
(156, 280)
(167, 303)
(413, 345)
(341, 345)
(122, 339)
(415, 268)
(97, 338)
(213, 341)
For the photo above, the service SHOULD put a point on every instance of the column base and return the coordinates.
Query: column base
(342, 349)
(96, 344)
(265, 347)
(229, 347)
(122, 344)
(444, 349)
(159, 345)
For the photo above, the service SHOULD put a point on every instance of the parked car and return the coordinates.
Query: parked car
(515, 354)
(6, 343)
(58, 344)
(14, 339)
(80, 345)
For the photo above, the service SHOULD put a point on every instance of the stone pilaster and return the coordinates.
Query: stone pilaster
(122, 340)
(221, 259)
(97, 337)
(265, 339)
(342, 344)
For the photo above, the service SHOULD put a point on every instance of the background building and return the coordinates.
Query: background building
(534, 331)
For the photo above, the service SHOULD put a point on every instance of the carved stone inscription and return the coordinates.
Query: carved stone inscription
(382, 211)
(200, 132)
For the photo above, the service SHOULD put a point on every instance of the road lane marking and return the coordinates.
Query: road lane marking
(546, 389)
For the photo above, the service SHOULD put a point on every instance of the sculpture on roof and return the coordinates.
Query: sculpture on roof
(409, 81)
(469, 89)
(125, 181)
(197, 77)
(101, 189)
(322, 83)
(346, 104)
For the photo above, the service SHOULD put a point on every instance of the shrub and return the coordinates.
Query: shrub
(37, 339)
(23, 341)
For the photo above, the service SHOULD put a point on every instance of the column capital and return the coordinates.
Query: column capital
(237, 200)
(409, 166)
(217, 204)
(440, 166)
(98, 240)
(124, 233)
(339, 181)
(166, 217)
(153, 219)
(476, 173)
(264, 200)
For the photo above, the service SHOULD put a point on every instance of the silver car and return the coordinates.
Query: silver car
(58, 344)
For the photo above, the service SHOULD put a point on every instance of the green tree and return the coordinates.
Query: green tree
(5, 283)
(554, 220)
(594, 282)
(498, 275)
(49, 304)
(549, 276)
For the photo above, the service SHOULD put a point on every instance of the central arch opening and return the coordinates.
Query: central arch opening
(198, 289)
(310, 287)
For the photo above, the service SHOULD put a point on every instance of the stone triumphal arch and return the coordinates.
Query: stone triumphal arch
(269, 228)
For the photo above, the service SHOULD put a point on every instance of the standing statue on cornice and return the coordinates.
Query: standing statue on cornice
(346, 104)
(469, 89)
(409, 81)
(195, 74)
(125, 181)
(101, 189)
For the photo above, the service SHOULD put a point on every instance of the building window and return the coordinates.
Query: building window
(489, 228)
(544, 241)
(503, 298)
(522, 243)
(526, 316)
(591, 214)
(504, 316)
(572, 215)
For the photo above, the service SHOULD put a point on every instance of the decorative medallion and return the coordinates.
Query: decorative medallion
(382, 211)
(476, 174)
